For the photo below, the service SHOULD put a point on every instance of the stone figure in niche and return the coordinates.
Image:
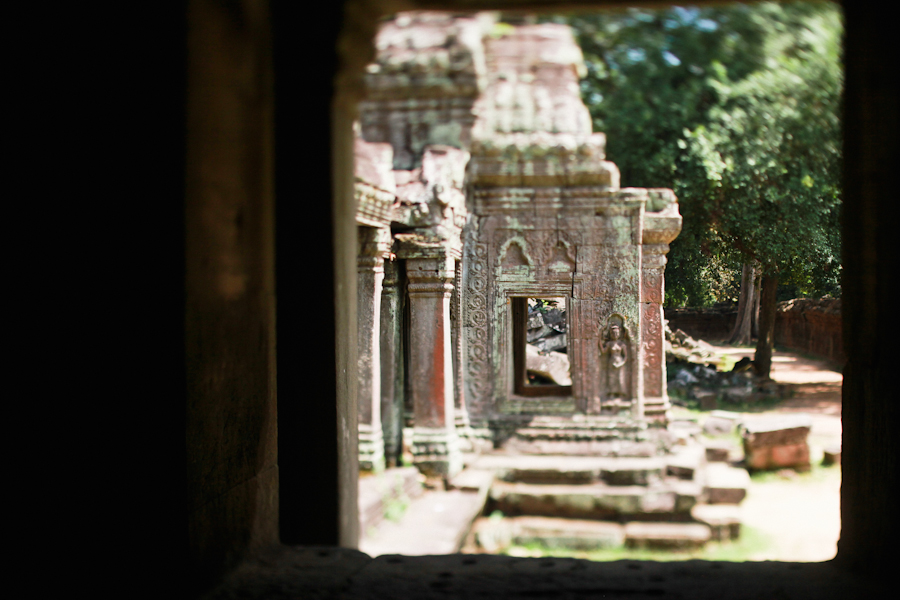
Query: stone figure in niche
(616, 348)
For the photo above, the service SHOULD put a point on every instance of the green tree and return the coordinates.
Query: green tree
(766, 166)
(736, 109)
(652, 74)
(655, 74)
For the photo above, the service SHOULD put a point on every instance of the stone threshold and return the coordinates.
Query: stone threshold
(282, 573)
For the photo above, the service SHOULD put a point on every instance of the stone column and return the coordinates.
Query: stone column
(391, 384)
(374, 244)
(656, 402)
(435, 442)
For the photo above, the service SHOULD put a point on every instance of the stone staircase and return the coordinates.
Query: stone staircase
(562, 483)
(681, 499)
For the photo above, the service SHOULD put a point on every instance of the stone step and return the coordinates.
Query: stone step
(496, 534)
(492, 534)
(686, 461)
(667, 500)
(725, 484)
(724, 520)
(579, 427)
(472, 479)
(575, 470)
(581, 447)
(666, 535)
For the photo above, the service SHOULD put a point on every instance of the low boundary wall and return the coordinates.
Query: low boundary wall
(811, 326)
(709, 324)
(808, 325)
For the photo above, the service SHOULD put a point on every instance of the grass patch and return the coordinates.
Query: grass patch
(816, 474)
(726, 362)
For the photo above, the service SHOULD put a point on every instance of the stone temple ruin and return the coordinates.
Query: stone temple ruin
(482, 190)
(480, 184)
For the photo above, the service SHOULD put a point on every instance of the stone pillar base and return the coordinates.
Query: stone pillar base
(436, 451)
(656, 411)
(371, 448)
(463, 430)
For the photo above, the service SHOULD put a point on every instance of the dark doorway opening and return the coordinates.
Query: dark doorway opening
(540, 355)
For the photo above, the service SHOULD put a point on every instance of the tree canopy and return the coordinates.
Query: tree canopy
(736, 109)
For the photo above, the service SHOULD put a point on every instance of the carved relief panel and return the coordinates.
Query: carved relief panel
(589, 259)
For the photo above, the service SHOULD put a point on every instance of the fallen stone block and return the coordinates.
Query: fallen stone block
(552, 343)
(553, 365)
(832, 456)
(726, 484)
(718, 451)
(666, 535)
(777, 443)
(738, 394)
(708, 399)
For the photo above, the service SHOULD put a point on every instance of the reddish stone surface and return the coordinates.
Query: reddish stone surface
(775, 446)
(811, 326)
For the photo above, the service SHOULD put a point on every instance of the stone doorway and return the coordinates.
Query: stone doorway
(540, 354)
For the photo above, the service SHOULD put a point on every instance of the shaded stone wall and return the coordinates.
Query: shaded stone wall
(811, 326)
(803, 324)
(710, 324)
(232, 471)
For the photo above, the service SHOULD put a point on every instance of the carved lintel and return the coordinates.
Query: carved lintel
(427, 271)
(373, 242)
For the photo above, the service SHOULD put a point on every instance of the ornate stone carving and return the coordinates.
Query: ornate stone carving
(514, 254)
(654, 361)
(651, 286)
(476, 323)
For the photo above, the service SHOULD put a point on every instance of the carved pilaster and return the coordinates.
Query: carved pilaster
(652, 334)
(435, 442)
(374, 244)
(391, 353)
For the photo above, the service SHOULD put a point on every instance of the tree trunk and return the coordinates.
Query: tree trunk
(754, 325)
(765, 344)
(743, 325)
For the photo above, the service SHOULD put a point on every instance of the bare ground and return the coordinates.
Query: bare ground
(800, 512)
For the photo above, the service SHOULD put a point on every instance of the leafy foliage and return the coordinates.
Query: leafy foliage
(769, 159)
(736, 109)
